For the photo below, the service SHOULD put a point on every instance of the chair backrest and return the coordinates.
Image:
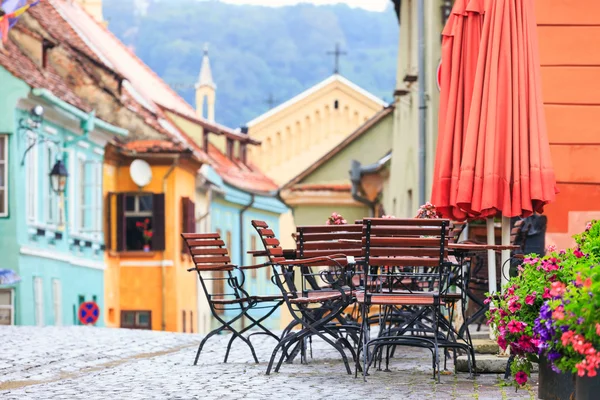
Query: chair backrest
(328, 241)
(269, 241)
(405, 242)
(213, 264)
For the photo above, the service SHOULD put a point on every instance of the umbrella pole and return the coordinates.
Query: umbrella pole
(505, 253)
(491, 239)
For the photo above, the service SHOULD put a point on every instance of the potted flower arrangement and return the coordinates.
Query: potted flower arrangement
(428, 211)
(513, 317)
(336, 219)
(146, 232)
(569, 322)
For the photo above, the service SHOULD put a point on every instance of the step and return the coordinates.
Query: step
(486, 364)
(486, 346)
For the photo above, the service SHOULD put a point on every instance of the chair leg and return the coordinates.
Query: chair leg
(210, 334)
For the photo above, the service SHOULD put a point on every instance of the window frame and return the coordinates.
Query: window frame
(51, 197)
(10, 307)
(31, 180)
(4, 137)
(38, 300)
(137, 214)
(57, 301)
(136, 324)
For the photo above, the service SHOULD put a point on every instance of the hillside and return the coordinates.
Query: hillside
(257, 52)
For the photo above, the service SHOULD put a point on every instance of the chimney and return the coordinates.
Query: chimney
(229, 149)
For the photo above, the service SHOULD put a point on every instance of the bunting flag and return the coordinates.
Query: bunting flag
(10, 12)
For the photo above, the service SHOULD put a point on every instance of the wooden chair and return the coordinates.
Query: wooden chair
(312, 303)
(222, 283)
(413, 254)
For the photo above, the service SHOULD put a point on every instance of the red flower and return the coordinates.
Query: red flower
(530, 299)
(521, 378)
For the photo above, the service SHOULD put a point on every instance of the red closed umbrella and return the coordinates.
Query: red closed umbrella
(460, 48)
(493, 154)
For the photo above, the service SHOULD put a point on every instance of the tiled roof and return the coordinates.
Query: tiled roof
(22, 67)
(333, 187)
(117, 55)
(239, 175)
(154, 146)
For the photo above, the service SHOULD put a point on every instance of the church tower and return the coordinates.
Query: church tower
(94, 8)
(205, 90)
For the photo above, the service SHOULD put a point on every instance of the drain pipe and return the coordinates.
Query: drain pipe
(355, 175)
(242, 211)
(163, 269)
(422, 101)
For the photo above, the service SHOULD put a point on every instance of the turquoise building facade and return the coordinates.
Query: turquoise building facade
(226, 206)
(54, 242)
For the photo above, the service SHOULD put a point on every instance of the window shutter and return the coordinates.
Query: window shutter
(120, 234)
(191, 216)
(158, 222)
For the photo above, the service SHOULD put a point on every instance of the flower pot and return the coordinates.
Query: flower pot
(146, 247)
(587, 388)
(553, 385)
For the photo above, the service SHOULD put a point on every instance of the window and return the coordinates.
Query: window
(188, 219)
(336, 104)
(3, 176)
(38, 297)
(57, 302)
(183, 321)
(191, 322)
(31, 184)
(7, 307)
(88, 197)
(136, 319)
(140, 221)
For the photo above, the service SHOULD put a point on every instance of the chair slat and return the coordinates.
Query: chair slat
(266, 233)
(200, 236)
(329, 228)
(315, 237)
(275, 251)
(208, 251)
(211, 260)
(402, 241)
(405, 231)
(259, 224)
(271, 242)
(328, 245)
(409, 221)
(214, 267)
(205, 243)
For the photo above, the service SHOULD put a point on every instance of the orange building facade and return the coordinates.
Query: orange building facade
(150, 288)
(569, 38)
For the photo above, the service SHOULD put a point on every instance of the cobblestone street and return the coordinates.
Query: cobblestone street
(98, 363)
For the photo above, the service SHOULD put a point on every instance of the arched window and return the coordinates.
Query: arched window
(336, 104)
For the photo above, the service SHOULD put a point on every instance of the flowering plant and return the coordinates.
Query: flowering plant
(336, 219)
(428, 211)
(513, 314)
(569, 322)
(146, 232)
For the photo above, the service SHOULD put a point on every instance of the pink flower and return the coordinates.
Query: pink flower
(513, 304)
(558, 288)
(530, 299)
(558, 314)
(487, 301)
(588, 226)
(516, 326)
(502, 342)
(546, 294)
(598, 329)
(552, 248)
(578, 253)
(510, 291)
(521, 378)
(587, 284)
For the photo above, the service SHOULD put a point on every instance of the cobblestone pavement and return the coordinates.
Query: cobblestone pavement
(98, 363)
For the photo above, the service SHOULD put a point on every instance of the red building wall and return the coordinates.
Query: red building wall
(569, 38)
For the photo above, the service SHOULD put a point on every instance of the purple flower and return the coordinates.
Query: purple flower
(553, 355)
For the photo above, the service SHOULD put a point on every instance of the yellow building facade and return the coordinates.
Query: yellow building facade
(299, 132)
(150, 288)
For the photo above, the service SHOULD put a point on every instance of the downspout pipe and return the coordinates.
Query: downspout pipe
(356, 173)
(422, 100)
(242, 212)
(86, 118)
(163, 269)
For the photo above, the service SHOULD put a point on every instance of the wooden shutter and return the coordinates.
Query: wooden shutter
(158, 222)
(121, 228)
(188, 219)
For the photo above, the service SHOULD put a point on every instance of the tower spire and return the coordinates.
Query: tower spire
(205, 78)
(205, 89)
